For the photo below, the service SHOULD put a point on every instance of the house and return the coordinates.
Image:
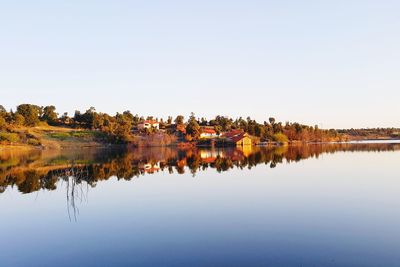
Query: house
(147, 124)
(232, 133)
(238, 137)
(242, 140)
(206, 132)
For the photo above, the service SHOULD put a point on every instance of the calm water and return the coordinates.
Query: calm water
(317, 205)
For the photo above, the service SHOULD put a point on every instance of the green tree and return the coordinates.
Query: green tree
(218, 129)
(50, 115)
(3, 115)
(86, 119)
(123, 126)
(98, 120)
(31, 113)
(128, 115)
(3, 123)
(19, 120)
(3, 111)
(193, 127)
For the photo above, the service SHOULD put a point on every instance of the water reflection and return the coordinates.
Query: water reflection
(37, 170)
(339, 210)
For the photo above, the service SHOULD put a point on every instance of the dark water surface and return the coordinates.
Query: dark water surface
(316, 205)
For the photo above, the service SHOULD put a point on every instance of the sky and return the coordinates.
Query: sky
(331, 63)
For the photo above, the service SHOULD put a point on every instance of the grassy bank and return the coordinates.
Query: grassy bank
(49, 137)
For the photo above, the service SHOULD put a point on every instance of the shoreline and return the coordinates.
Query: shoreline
(182, 145)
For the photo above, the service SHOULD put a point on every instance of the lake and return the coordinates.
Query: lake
(315, 205)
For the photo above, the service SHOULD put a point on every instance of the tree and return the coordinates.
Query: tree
(3, 111)
(203, 122)
(3, 115)
(19, 120)
(86, 119)
(271, 120)
(108, 124)
(193, 127)
(128, 115)
(89, 116)
(65, 119)
(2, 123)
(31, 113)
(169, 121)
(50, 115)
(258, 130)
(280, 138)
(98, 121)
(218, 129)
(179, 119)
(135, 120)
(123, 126)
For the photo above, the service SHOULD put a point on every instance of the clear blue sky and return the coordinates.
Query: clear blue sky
(335, 63)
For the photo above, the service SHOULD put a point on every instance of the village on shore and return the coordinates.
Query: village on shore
(39, 126)
(207, 135)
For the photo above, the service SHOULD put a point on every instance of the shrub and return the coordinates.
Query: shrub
(19, 120)
(82, 134)
(61, 136)
(33, 142)
(9, 137)
(2, 123)
(280, 138)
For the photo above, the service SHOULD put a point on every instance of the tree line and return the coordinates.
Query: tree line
(122, 125)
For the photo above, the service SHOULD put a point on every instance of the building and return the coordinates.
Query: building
(147, 124)
(208, 133)
(242, 140)
(238, 137)
(232, 133)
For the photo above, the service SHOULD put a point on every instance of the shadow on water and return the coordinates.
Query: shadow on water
(78, 171)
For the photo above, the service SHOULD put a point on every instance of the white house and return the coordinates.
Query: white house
(147, 124)
(208, 133)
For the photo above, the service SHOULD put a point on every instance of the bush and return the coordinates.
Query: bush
(19, 120)
(9, 137)
(33, 142)
(83, 134)
(2, 123)
(280, 138)
(61, 135)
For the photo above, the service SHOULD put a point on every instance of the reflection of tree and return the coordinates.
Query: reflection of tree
(30, 173)
(74, 179)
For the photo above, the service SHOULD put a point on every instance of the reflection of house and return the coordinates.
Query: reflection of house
(208, 160)
(151, 168)
(211, 153)
(208, 133)
(246, 150)
(147, 124)
(209, 156)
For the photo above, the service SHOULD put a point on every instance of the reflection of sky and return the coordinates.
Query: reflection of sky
(339, 210)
